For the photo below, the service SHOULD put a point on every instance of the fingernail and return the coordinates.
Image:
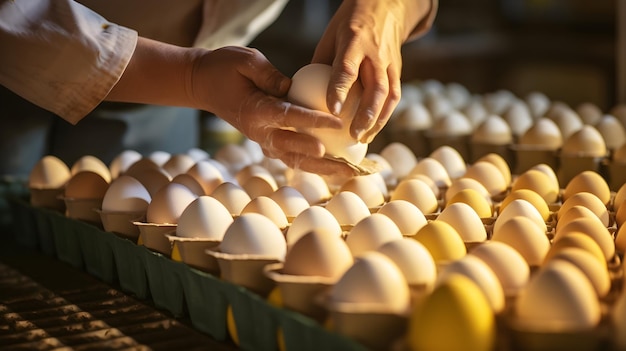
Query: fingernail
(337, 108)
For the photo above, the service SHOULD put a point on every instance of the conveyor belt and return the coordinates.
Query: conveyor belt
(46, 304)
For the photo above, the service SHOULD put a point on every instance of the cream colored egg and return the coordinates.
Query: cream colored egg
(169, 203)
(140, 165)
(586, 141)
(589, 113)
(204, 217)
(432, 169)
(538, 103)
(232, 196)
(370, 233)
(190, 182)
(592, 227)
(312, 186)
(178, 164)
(526, 237)
(418, 193)
(544, 134)
(493, 131)
(519, 118)
(438, 106)
(577, 240)
(233, 156)
(595, 271)
(290, 200)
(318, 253)
(498, 161)
(312, 218)
(386, 172)
(457, 93)
(207, 175)
(559, 298)
(86, 185)
(348, 208)
(588, 200)
(251, 170)
(159, 157)
(591, 182)
(400, 157)
(429, 181)
(565, 118)
(442, 241)
(269, 208)
(93, 164)
(507, 264)
(414, 116)
(612, 131)
(453, 123)
(126, 194)
(475, 111)
(253, 234)
(573, 213)
(487, 174)
(260, 185)
(538, 182)
(373, 282)
(451, 160)
(462, 183)
(432, 87)
(49, 173)
(254, 150)
(309, 86)
(465, 221)
(475, 199)
(414, 260)
(123, 161)
(405, 215)
(153, 179)
(481, 274)
(520, 207)
(498, 101)
(365, 188)
(198, 154)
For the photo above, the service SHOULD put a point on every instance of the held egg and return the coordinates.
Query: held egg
(309, 86)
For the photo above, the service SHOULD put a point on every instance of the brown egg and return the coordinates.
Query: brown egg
(269, 208)
(91, 163)
(86, 185)
(538, 182)
(525, 236)
(232, 196)
(488, 175)
(169, 203)
(178, 164)
(49, 173)
(499, 162)
(588, 200)
(591, 182)
(587, 142)
(207, 174)
(544, 134)
(595, 229)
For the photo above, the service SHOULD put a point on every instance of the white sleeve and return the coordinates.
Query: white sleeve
(60, 55)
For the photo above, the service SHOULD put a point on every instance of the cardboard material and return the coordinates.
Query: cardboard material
(154, 236)
(192, 252)
(122, 223)
(83, 209)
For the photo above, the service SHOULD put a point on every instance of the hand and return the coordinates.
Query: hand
(242, 87)
(363, 41)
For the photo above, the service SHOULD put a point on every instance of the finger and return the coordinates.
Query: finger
(390, 104)
(317, 165)
(345, 71)
(264, 75)
(375, 91)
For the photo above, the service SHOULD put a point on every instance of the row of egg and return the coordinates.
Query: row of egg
(442, 242)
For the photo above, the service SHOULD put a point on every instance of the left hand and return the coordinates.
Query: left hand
(363, 42)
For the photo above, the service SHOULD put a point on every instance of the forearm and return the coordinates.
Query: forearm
(159, 74)
(419, 17)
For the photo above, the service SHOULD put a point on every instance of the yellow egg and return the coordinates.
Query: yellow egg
(405, 215)
(498, 161)
(538, 182)
(348, 208)
(481, 274)
(532, 197)
(49, 173)
(451, 160)
(507, 264)
(442, 241)
(269, 208)
(588, 200)
(319, 253)
(169, 203)
(591, 182)
(207, 174)
(459, 184)
(592, 227)
(465, 221)
(370, 233)
(487, 174)
(479, 203)
(126, 194)
(86, 185)
(577, 240)
(414, 261)
(558, 298)
(456, 307)
(525, 236)
(366, 189)
(204, 217)
(312, 218)
(290, 200)
(432, 169)
(544, 134)
(232, 196)
(400, 157)
(418, 193)
(255, 235)
(595, 271)
(587, 141)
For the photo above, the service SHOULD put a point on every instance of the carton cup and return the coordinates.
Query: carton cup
(616, 172)
(83, 209)
(153, 236)
(245, 270)
(121, 222)
(570, 166)
(48, 198)
(526, 339)
(527, 156)
(192, 251)
(301, 293)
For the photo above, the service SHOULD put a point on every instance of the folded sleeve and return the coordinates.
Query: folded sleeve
(60, 55)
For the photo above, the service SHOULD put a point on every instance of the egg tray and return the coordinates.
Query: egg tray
(173, 286)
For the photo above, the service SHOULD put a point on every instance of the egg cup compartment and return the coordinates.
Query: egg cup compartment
(595, 339)
(131, 267)
(192, 251)
(527, 156)
(153, 236)
(83, 209)
(48, 198)
(376, 331)
(121, 223)
(245, 271)
(164, 281)
(570, 166)
(616, 174)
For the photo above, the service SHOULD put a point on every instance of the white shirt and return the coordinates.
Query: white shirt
(64, 57)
